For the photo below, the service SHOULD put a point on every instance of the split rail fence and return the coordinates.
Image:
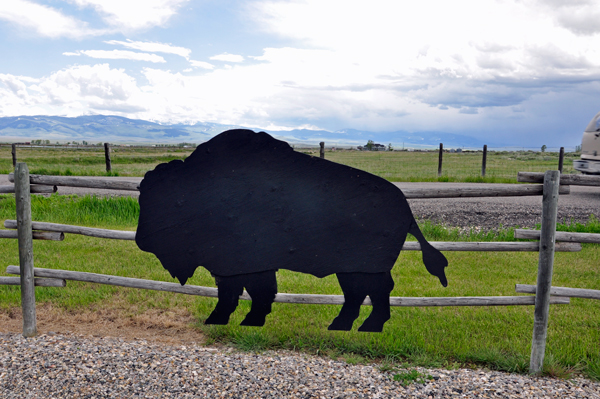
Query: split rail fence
(28, 230)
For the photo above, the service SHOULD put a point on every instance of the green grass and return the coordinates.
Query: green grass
(493, 337)
(502, 166)
(125, 161)
(408, 377)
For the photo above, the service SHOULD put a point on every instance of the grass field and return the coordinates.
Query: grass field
(493, 337)
(502, 167)
(126, 161)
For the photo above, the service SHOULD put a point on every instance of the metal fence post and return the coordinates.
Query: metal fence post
(440, 160)
(14, 154)
(561, 158)
(107, 157)
(545, 266)
(23, 200)
(322, 151)
(484, 160)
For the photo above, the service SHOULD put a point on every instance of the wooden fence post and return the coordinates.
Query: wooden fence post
(484, 160)
(23, 199)
(561, 158)
(545, 266)
(14, 154)
(440, 160)
(322, 151)
(107, 156)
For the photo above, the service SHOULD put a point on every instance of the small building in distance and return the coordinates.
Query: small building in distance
(372, 147)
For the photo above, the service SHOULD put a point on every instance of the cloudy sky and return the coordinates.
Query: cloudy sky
(513, 71)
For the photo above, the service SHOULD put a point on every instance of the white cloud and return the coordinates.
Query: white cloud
(44, 20)
(72, 91)
(153, 47)
(227, 57)
(202, 64)
(14, 84)
(412, 38)
(134, 14)
(578, 16)
(118, 55)
(429, 52)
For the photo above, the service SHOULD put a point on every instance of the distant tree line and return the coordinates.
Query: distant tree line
(372, 146)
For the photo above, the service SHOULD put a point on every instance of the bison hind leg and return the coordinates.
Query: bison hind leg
(262, 288)
(355, 293)
(230, 289)
(381, 287)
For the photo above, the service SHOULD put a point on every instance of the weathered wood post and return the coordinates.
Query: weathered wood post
(545, 266)
(440, 160)
(23, 199)
(561, 158)
(107, 156)
(14, 154)
(322, 151)
(484, 160)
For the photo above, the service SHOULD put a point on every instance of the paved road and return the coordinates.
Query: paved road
(487, 213)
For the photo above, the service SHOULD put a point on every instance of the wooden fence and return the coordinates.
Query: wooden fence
(545, 294)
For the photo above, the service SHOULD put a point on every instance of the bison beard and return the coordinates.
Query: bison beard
(244, 205)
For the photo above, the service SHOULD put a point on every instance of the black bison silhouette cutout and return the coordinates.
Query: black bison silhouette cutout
(244, 205)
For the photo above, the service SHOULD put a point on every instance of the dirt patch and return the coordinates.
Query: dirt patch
(172, 327)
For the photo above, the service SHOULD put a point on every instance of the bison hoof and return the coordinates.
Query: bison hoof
(371, 326)
(340, 325)
(216, 319)
(253, 321)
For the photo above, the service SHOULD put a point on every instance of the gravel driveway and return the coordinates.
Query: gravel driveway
(490, 213)
(484, 213)
(66, 366)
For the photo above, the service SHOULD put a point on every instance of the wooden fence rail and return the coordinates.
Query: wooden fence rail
(38, 282)
(37, 235)
(560, 236)
(80, 182)
(568, 180)
(86, 231)
(280, 297)
(508, 190)
(561, 291)
(35, 189)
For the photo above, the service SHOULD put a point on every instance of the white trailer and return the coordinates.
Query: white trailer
(589, 164)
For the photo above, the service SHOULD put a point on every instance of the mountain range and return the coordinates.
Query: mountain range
(117, 129)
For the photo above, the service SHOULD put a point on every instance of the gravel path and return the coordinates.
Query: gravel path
(62, 366)
(490, 213)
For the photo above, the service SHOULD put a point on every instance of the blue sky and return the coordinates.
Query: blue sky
(520, 72)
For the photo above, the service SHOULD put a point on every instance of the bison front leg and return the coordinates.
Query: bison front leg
(262, 288)
(230, 289)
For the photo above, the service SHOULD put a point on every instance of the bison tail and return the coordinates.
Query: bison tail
(434, 260)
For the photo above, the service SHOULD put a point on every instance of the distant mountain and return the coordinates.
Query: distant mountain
(116, 129)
